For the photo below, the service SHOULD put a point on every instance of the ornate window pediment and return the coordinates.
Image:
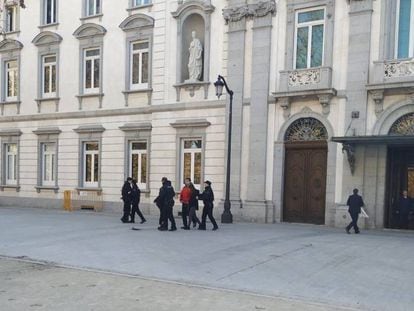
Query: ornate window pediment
(47, 38)
(8, 45)
(306, 129)
(89, 30)
(137, 21)
(190, 5)
(403, 126)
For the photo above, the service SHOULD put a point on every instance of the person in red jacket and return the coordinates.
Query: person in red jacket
(185, 196)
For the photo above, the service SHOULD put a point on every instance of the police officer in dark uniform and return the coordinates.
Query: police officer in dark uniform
(127, 198)
(136, 197)
(208, 197)
(355, 203)
(165, 202)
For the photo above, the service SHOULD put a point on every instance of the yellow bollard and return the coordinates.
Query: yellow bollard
(66, 200)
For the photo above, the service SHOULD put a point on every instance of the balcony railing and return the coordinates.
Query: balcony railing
(302, 80)
(393, 71)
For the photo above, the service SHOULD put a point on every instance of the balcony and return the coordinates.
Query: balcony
(391, 77)
(309, 82)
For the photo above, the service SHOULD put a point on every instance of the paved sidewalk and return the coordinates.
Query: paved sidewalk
(29, 286)
(371, 271)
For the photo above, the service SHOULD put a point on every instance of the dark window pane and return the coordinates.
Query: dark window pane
(139, 146)
(145, 67)
(143, 168)
(134, 166)
(135, 69)
(96, 167)
(88, 74)
(96, 73)
(317, 46)
(88, 168)
(302, 48)
(311, 16)
(197, 168)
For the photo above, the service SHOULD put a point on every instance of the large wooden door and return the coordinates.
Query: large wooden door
(305, 182)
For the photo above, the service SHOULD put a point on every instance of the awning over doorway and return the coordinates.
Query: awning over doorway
(375, 140)
(349, 143)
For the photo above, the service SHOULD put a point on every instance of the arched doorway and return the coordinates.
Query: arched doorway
(305, 172)
(400, 172)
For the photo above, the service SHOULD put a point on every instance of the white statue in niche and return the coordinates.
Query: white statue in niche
(195, 61)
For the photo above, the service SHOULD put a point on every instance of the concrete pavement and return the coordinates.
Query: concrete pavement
(371, 271)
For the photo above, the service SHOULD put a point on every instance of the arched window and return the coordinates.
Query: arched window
(306, 129)
(403, 126)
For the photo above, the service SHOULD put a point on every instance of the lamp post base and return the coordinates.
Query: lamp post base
(227, 217)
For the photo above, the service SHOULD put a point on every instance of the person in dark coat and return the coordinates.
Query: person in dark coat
(404, 208)
(165, 202)
(127, 198)
(355, 203)
(208, 197)
(136, 196)
(193, 206)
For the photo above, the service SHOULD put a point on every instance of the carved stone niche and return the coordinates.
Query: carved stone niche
(192, 16)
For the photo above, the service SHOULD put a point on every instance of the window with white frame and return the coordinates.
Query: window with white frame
(93, 7)
(91, 164)
(11, 18)
(48, 157)
(11, 80)
(309, 38)
(191, 160)
(49, 76)
(140, 2)
(139, 65)
(404, 47)
(11, 164)
(50, 12)
(91, 75)
(138, 162)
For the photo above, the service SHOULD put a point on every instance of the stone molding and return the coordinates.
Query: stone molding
(89, 129)
(47, 38)
(47, 131)
(249, 11)
(146, 126)
(191, 123)
(188, 5)
(11, 132)
(10, 45)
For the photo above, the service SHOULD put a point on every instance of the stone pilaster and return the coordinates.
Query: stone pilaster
(255, 204)
(235, 80)
(360, 21)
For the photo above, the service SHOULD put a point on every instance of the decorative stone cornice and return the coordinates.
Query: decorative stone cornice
(260, 9)
(191, 123)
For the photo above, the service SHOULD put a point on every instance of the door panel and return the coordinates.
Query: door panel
(305, 183)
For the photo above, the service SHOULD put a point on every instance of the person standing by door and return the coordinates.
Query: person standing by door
(355, 203)
(208, 197)
(136, 196)
(127, 198)
(404, 208)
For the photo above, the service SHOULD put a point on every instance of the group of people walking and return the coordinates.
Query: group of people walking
(189, 197)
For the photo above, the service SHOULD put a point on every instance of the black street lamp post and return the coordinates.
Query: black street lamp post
(226, 217)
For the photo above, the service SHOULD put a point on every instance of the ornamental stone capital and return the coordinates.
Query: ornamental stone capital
(260, 9)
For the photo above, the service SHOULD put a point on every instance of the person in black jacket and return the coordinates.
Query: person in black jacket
(208, 197)
(193, 206)
(136, 196)
(165, 202)
(404, 209)
(127, 198)
(355, 203)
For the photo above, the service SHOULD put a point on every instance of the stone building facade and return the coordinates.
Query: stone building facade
(94, 91)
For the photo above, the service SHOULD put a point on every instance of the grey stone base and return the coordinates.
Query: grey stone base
(256, 211)
(31, 202)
